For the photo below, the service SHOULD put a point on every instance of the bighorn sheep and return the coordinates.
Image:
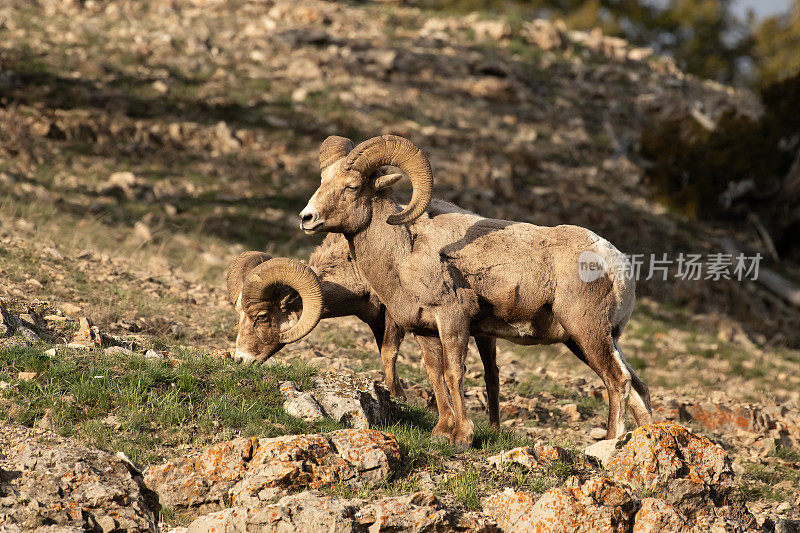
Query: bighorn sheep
(458, 274)
(271, 315)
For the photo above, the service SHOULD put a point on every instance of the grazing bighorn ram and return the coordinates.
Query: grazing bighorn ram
(271, 315)
(456, 274)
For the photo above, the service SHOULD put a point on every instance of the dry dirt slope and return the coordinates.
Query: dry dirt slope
(144, 144)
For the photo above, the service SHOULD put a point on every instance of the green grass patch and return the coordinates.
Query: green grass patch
(413, 433)
(490, 440)
(786, 453)
(465, 487)
(535, 385)
(760, 480)
(144, 406)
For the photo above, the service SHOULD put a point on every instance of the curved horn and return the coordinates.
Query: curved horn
(333, 148)
(402, 153)
(282, 271)
(239, 269)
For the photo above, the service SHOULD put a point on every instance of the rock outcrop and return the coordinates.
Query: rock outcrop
(688, 471)
(597, 505)
(659, 477)
(538, 456)
(251, 472)
(69, 486)
(357, 402)
(313, 511)
(690, 474)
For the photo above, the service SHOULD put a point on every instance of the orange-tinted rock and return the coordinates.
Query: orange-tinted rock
(417, 513)
(658, 516)
(283, 462)
(687, 470)
(65, 486)
(598, 505)
(307, 511)
(371, 455)
(570, 410)
(87, 335)
(203, 480)
(313, 511)
(249, 472)
(650, 456)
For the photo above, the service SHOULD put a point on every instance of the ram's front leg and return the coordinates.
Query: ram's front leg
(388, 337)
(454, 334)
(434, 365)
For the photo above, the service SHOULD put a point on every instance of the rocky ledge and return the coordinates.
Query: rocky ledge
(660, 477)
(53, 484)
(252, 471)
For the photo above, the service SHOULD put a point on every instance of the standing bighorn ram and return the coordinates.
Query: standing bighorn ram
(271, 315)
(457, 274)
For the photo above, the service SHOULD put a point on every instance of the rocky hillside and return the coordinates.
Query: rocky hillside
(144, 144)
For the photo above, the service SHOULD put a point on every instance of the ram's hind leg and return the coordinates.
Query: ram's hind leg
(487, 347)
(601, 354)
(434, 365)
(640, 394)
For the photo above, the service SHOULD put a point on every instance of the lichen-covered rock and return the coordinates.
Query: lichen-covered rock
(87, 335)
(313, 511)
(357, 402)
(689, 471)
(304, 512)
(419, 513)
(202, 480)
(284, 462)
(651, 456)
(658, 516)
(69, 487)
(537, 456)
(250, 472)
(598, 505)
(371, 455)
(300, 404)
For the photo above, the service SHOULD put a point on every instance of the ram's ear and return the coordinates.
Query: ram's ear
(381, 182)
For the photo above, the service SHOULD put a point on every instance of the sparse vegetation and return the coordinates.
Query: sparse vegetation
(465, 487)
(145, 407)
(770, 481)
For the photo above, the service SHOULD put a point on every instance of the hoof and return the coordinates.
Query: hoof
(441, 432)
(398, 393)
(440, 437)
(462, 439)
(462, 444)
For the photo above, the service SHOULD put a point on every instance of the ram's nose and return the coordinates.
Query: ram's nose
(310, 220)
(244, 357)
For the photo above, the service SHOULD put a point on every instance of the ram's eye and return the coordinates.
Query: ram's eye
(261, 318)
(350, 187)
